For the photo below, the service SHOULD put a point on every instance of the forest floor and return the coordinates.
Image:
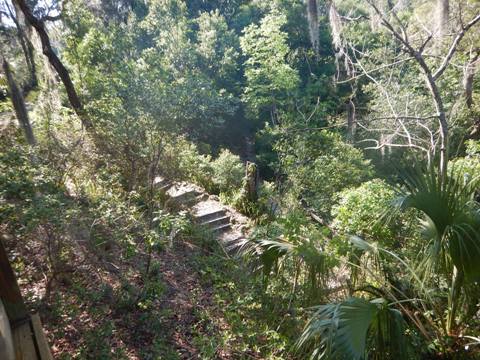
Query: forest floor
(198, 303)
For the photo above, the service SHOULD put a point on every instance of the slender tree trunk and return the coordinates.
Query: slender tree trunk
(61, 70)
(442, 117)
(26, 44)
(468, 76)
(312, 15)
(351, 121)
(19, 105)
(443, 12)
(443, 124)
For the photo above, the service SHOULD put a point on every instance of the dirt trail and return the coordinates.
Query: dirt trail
(95, 309)
(182, 282)
(186, 294)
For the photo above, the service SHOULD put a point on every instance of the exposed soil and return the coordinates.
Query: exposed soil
(93, 301)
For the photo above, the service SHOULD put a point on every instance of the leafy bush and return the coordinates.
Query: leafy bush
(320, 164)
(360, 211)
(228, 172)
(182, 160)
(468, 166)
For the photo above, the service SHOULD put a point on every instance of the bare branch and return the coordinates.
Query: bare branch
(380, 145)
(375, 70)
(454, 46)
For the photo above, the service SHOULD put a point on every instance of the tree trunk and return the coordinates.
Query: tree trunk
(56, 63)
(19, 105)
(251, 182)
(27, 46)
(443, 11)
(312, 15)
(442, 117)
(468, 76)
(443, 124)
(351, 121)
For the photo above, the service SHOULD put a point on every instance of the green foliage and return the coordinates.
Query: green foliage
(340, 331)
(360, 211)
(468, 166)
(218, 46)
(320, 164)
(451, 219)
(176, 89)
(30, 192)
(143, 79)
(270, 79)
(181, 159)
(228, 172)
(254, 326)
(451, 229)
(293, 247)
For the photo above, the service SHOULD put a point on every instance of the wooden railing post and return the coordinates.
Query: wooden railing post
(9, 291)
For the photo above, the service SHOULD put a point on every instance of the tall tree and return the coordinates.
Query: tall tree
(312, 15)
(25, 42)
(19, 104)
(271, 80)
(57, 64)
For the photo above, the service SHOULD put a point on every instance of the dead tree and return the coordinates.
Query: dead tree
(414, 50)
(61, 70)
(19, 104)
(431, 75)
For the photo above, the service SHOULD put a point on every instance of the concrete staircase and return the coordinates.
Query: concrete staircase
(227, 225)
(213, 215)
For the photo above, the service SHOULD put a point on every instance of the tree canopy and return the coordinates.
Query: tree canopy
(233, 179)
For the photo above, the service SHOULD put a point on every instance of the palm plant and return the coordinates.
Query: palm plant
(342, 330)
(359, 328)
(298, 256)
(451, 227)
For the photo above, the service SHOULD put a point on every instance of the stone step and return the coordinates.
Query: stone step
(205, 217)
(194, 200)
(165, 187)
(160, 181)
(234, 244)
(216, 221)
(186, 197)
(221, 228)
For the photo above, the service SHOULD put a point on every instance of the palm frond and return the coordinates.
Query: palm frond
(452, 221)
(340, 331)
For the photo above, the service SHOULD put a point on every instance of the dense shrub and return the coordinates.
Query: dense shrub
(468, 166)
(182, 160)
(320, 164)
(361, 211)
(228, 172)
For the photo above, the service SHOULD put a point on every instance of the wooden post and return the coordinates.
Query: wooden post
(9, 291)
(6, 340)
(251, 181)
